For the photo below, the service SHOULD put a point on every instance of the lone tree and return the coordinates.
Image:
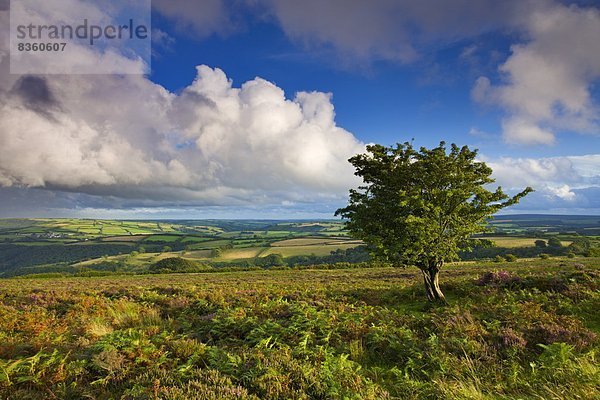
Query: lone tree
(421, 208)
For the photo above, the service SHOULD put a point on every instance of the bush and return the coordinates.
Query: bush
(174, 264)
(272, 260)
(580, 245)
(510, 257)
(544, 256)
(497, 278)
(499, 259)
(554, 242)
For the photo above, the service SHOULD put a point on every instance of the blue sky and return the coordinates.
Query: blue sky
(381, 101)
(252, 108)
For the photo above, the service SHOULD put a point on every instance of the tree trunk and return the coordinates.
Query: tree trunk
(432, 284)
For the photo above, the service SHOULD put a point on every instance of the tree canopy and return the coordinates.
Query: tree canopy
(422, 207)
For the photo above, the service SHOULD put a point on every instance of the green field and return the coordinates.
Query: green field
(528, 224)
(309, 242)
(30, 246)
(529, 330)
(162, 238)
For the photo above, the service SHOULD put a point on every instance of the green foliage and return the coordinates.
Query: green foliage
(272, 260)
(176, 264)
(554, 242)
(357, 254)
(15, 256)
(593, 252)
(421, 207)
(581, 245)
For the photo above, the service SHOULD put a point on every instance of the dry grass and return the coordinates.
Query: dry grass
(235, 254)
(509, 241)
(318, 250)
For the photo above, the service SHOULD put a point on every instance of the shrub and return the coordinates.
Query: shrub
(544, 256)
(511, 340)
(272, 260)
(510, 257)
(497, 278)
(554, 242)
(563, 329)
(173, 264)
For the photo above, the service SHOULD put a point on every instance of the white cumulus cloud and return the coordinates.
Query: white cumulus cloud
(126, 136)
(552, 177)
(547, 80)
(564, 192)
(214, 143)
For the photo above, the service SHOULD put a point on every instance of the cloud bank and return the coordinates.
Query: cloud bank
(126, 137)
(546, 83)
(563, 184)
(213, 143)
(84, 51)
(388, 30)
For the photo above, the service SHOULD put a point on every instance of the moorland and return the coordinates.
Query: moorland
(292, 310)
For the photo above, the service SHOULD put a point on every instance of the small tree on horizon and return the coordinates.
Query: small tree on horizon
(420, 208)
